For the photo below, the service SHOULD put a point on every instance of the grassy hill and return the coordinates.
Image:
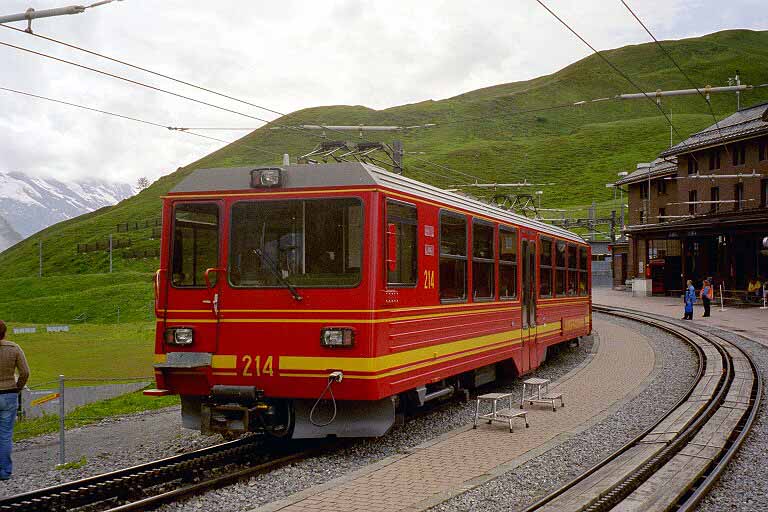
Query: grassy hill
(479, 132)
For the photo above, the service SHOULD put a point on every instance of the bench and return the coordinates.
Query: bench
(503, 415)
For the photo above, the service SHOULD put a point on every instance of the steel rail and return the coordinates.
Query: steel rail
(699, 486)
(131, 482)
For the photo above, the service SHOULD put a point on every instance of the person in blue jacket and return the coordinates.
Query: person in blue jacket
(690, 298)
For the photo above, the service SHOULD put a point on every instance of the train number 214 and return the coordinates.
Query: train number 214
(253, 365)
(429, 279)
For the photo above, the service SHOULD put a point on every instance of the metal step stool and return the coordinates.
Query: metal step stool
(503, 415)
(541, 395)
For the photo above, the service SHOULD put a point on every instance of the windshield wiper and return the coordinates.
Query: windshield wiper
(272, 265)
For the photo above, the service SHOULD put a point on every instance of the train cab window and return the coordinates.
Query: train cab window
(583, 283)
(483, 261)
(195, 243)
(453, 257)
(507, 263)
(315, 243)
(404, 218)
(573, 272)
(545, 267)
(560, 268)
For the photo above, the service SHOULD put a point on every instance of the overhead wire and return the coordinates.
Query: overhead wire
(680, 69)
(183, 82)
(129, 118)
(613, 67)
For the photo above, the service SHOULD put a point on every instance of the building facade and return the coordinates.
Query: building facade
(701, 209)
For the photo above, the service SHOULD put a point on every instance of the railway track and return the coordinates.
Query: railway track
(148, 485)
(673, 464)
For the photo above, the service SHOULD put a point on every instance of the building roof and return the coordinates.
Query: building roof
(354, 174)
(659, 167)
(747, 122)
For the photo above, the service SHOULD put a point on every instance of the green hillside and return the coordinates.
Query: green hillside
(479, 132)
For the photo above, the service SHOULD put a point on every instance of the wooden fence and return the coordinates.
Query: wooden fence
(124, 227)
(103, 245)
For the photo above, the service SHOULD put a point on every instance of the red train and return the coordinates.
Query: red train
(279, 286)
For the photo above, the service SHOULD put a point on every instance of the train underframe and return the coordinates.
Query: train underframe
(234, 410)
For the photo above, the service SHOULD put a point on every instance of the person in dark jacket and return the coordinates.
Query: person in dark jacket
(690, 298)
(12, 359)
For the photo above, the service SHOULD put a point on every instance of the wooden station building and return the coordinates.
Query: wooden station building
(700, 209)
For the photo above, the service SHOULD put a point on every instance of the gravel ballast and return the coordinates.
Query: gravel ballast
(108, 445)
(743, 486)
(537, 477)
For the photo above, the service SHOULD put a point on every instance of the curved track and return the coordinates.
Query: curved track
(672, 465)
(148, 485)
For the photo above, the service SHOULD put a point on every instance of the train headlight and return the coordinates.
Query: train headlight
(337, 337)
(179, 336)
(266, 177)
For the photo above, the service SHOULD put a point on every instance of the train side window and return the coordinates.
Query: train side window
(583, 284)
(453, 257)
(573, 272)
(545, 267)
(507, 263)
(560, 268)
(404, 217)
(483, 261)
(195, 243)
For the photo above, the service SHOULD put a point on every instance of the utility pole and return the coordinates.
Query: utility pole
(397, 156)
(40, 258)
(110, 253)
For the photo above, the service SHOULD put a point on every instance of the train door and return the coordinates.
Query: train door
(528, 302)
(194, 279)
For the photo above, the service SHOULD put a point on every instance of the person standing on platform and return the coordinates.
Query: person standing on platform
(706, 296)
(690, 298)
(11, 359)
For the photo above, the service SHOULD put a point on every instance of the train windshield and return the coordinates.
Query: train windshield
(307, 243)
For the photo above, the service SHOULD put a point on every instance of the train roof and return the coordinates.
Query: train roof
(354, 174)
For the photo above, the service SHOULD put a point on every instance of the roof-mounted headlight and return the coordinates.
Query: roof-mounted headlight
(266, 177)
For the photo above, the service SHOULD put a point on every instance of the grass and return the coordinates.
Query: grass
(89, 351)
(87, 414)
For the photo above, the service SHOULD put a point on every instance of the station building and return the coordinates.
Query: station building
(700, 209)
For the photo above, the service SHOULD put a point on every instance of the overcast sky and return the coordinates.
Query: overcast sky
(287, 55)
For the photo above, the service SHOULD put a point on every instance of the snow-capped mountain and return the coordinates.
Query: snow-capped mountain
(30, 203)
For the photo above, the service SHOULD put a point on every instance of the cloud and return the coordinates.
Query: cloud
(287, 55)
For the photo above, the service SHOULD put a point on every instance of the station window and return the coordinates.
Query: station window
(195, 243)
(573, 271)
(738, 196)
(714, 159)
(739, 154)
(583, 283)
(692, 200)
(405, 221)
(661, 186)
(453, 257)
(714, 197)
(507, 263)
(545, 267)
(693, 165)
(764, 193)
(560, 272)
(762, 154)
(483, 261)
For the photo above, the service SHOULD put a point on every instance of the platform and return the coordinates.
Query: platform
(465, 458)
(751, 322)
